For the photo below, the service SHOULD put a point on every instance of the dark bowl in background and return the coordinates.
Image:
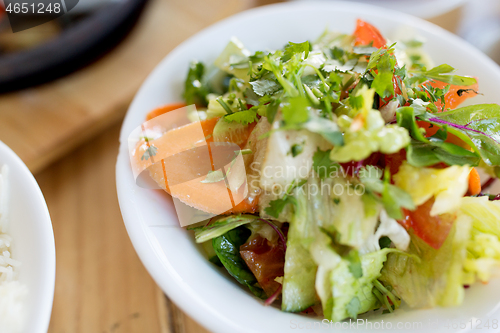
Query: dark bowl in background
(75, 47)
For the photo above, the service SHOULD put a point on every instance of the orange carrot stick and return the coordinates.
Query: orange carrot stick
(474, 182)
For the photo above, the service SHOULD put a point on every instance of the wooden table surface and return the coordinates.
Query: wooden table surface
(101, 285)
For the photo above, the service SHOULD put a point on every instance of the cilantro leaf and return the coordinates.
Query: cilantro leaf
(293, 48)
(149, 152)
(322, 164)
(328, 129)
(382, 83)
(242, 117)
(384, 242)
(194, 91)
(296, 149)
(392, 197)
(295, 112)
(272, 109)
(276, 206)
(442, 73)
(266, 85)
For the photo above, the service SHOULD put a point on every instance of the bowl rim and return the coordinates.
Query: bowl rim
(140, 234)
(42, 319)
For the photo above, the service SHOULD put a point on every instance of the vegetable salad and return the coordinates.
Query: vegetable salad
(362, 174)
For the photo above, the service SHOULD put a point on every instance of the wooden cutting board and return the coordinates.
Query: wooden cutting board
(43, 123)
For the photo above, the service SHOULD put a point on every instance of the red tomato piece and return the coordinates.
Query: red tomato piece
(366, 34)
(394, 161)
(266, 261)
(431, 229)
(456, 95)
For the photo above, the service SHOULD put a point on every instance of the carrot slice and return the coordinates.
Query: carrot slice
(164, 109)
(208, 197)
(474, 182)
(366, 34)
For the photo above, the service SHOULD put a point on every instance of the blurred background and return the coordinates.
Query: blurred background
(65, 86)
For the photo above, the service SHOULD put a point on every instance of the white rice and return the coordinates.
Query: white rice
(12, 292)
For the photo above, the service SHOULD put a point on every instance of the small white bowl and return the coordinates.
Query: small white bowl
(170, 253)
(32, 241)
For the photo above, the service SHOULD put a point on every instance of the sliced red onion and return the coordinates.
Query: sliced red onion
(278, 231)
(488, 183)
(210, 221)
(441, 121)
(359, 165)
(273, 297)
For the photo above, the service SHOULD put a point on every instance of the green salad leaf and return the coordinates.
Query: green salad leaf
(243, 117)
(430, 277)
(442, 73)
(323, 165)
(392, 197)
(227, 248)
(294, 48)
(194, 91)
(220, 226)
(424, 151)
(477, 125)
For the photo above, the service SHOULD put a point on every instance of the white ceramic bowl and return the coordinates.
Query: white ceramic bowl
(33, 241)
(169, 252)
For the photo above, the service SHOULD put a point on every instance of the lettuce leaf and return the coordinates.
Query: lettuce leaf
(430, 277)
(352, 296)
(233, 54)
(388, 227)
(355, 215)
(483, 248)
(220, 226)
(447, 185)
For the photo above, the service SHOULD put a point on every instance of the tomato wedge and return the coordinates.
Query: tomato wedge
(366, 34)
(456, 95)
(394, 161)
(266, 261)
(431, 229)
